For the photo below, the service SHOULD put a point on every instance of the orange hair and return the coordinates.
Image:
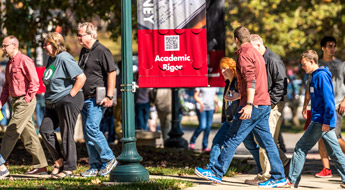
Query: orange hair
(228, 63)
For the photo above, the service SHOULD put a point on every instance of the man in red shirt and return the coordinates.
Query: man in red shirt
(252, 114)
(21, 84)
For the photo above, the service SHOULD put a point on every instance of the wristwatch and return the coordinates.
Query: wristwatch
(251, 104)
(110, 97)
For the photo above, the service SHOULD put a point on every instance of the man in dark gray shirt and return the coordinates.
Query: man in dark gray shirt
(337, 68)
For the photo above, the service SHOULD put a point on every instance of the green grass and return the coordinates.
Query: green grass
(85, 183)
(237, 166)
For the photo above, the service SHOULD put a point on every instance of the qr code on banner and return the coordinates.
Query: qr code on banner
(172, 43)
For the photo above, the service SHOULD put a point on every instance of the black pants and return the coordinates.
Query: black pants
(63, 114)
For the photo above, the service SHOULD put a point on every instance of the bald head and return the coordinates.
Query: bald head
(13, 40)
(10, 46)
(257, 43)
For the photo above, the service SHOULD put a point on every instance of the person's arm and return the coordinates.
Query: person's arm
(306, 101)
(79, 83)
(247, 110)
(4, 94)
(216, 108)
(198, 100)
(106, 102)
(248, 70)
(31, 75)
(324, 84)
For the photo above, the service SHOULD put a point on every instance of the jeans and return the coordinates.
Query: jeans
(205, 121)
(2, 161)
(142, 114)
(97, 146)
(254, 149)
(40, 108)
(307, 141)
(239, 130)
(4, 122)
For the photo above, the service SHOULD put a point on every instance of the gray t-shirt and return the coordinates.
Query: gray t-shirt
(59, 76)
(206, 95)
(337, 68)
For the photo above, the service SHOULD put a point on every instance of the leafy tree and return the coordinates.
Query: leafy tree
(25, 18)
(288, 27)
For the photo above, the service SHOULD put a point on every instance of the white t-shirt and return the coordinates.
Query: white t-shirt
(206, 95)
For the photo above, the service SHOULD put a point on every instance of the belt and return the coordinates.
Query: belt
(17, 97)
(88, 97)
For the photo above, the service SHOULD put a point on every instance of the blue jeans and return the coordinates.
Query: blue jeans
(40, 108)
(2, 161)
(217, 143)
(142, 114)
(239, 130)
(97, 146)
(4, 122)
(253, 148)
(307, 141)
(107, 125)
(205, 121)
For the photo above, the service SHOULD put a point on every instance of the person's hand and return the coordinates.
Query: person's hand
(216, 108)
(325, 127)
(201, 107)
(341, 108)
(106, 102)
(304, 112)
(72, 94)
(246, 112)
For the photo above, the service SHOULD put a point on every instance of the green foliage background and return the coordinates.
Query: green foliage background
(287, 26)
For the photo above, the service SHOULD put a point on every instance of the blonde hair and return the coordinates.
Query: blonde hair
(90, 28)
(310, 55)
(228, 63)
(56, 41)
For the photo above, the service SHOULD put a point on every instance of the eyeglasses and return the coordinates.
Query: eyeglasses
(5, 46)
(81, 35)
(46, 44)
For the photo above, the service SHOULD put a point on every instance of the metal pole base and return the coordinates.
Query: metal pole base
(132, 172)
(176, 142)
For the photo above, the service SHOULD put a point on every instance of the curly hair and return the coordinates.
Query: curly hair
(228, 63)
(57, 41)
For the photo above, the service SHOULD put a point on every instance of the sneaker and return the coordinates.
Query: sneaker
(90, 172)
(207, 174)
(191, 146)
(289, 185)
(342, 185)
(4, 173)
(324, 173)
(254, 181)
(206, 150)
(107, 167)
(271, 183)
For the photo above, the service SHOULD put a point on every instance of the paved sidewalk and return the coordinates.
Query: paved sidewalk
(313, 165)
(237, 182)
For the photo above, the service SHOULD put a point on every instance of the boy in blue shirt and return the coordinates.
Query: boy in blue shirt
(323, 120)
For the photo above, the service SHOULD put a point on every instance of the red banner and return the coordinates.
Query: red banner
(172, 43)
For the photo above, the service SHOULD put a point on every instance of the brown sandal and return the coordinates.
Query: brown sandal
(60, 169)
